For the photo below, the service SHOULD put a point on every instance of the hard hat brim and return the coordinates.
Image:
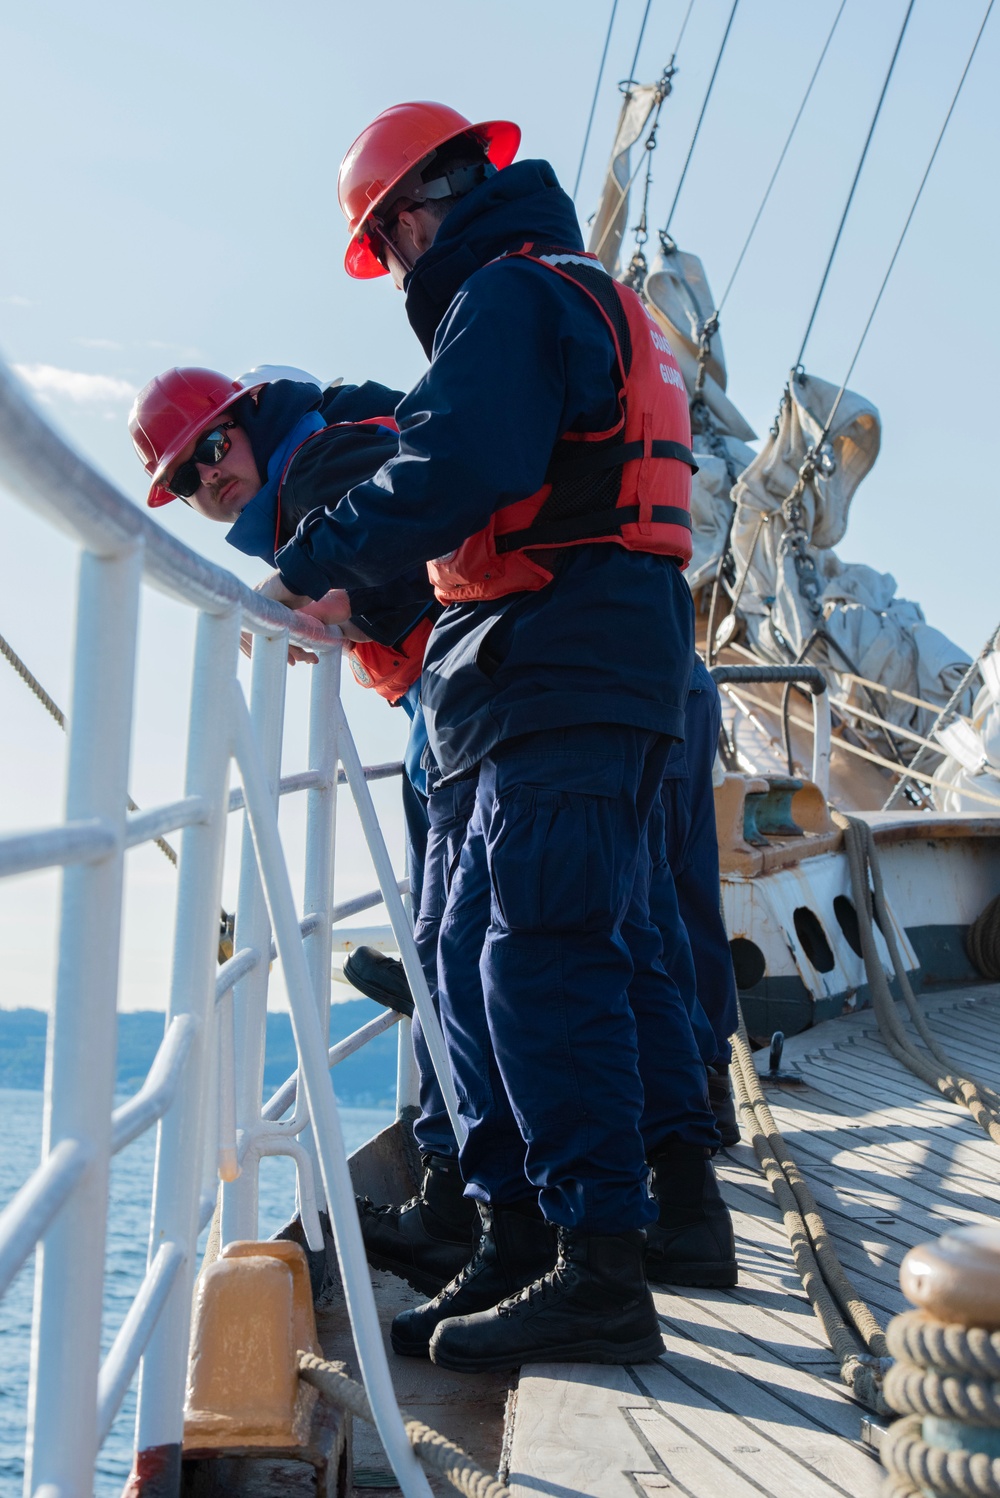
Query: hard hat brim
(502, 140)
(158, 495)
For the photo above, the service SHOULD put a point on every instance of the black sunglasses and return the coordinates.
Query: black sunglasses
(211, 449)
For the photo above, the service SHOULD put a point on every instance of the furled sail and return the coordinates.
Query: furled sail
(972, 760)
(609, 222)
(866, 631)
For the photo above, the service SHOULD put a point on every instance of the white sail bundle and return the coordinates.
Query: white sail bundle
(608, 226)
(680, 299)
(884, 638)
(972, 760)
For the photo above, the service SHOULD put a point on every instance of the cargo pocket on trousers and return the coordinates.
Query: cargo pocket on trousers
(551, 849)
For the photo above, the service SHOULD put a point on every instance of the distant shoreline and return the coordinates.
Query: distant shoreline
(365, 1080)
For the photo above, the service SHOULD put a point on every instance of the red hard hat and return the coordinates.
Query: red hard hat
(394, 143)
(170, 411)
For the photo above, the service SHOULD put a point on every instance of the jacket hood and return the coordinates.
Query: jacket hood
(523, 202)
(269, 416)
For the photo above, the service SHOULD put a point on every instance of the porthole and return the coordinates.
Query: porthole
(847, 920)
(812, 939)
(749, 963)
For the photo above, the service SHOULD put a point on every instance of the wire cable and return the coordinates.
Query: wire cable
(684, 24)
(642, 32)
(597, 90)
(909, 220)
(781, 158)
(857, 176)
(701, 116)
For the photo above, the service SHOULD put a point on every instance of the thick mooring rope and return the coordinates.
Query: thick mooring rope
(933, 1066)
(848, 1322)
(917, 1468)
(983, 941)
(434, 1450)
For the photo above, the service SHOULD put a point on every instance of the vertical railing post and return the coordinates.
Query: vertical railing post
(407, 1074)
(80, 1064)
(181, 1137)
(321, 831)
(253, 929)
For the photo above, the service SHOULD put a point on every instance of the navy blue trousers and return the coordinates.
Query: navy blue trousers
(552, 1055)
(692, 851)
(449, 811)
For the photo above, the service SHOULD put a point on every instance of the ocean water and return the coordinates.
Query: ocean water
(131, 1190)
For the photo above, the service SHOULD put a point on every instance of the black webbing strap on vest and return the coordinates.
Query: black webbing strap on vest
(592, 527)
(586, 458)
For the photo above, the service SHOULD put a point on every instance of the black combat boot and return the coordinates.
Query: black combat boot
(692, 1242)
(720, 1097)
(321, 1262)
(594, 1306)
(516, 1246)
(430, 1237)
(380, 978)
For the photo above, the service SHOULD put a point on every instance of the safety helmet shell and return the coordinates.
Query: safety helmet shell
(170, 411)
(385, 152)
(266, 374)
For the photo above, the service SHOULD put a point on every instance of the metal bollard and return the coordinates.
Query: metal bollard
(945, 1381)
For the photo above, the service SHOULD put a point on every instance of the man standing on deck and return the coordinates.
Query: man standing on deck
(544, 463)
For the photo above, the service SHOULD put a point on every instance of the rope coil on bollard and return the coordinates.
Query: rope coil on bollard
(433, 1449)
(943, 1370)
(948, 1474)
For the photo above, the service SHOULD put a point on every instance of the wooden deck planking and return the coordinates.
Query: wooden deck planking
(746, 1398)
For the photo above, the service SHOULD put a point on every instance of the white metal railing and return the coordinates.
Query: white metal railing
(203, 1091)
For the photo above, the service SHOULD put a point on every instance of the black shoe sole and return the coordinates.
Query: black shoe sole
(411, 1349)
(706, 1276)
(646, 1350)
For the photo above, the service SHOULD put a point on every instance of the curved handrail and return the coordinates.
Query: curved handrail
(36, 461)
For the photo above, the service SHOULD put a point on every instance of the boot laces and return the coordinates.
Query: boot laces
(537, 1291)
(368, 1208)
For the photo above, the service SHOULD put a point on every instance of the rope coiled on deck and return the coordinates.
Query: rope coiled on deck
(433, 1449)
(848, 1322)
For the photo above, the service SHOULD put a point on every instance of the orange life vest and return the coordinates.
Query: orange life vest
(388, 670)
(630, 484)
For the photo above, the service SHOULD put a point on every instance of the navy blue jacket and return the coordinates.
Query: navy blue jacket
(518, 357)
(277, 420)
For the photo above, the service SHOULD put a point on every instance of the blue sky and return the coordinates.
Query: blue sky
(168, 178)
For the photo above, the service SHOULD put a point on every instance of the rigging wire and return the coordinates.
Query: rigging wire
(701, 116)
(909, 220)
(597, 90)
(781, 158)
(857, 175)
(642, 32)
(680, 35)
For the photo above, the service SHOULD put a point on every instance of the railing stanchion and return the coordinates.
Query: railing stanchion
(253, 929)
(321, 830)
(402, 926)
(62, 1437)
(181, 1136)
(317, 1085)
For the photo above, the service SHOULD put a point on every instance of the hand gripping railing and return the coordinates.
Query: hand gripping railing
(806, 676)
(204, 1087)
